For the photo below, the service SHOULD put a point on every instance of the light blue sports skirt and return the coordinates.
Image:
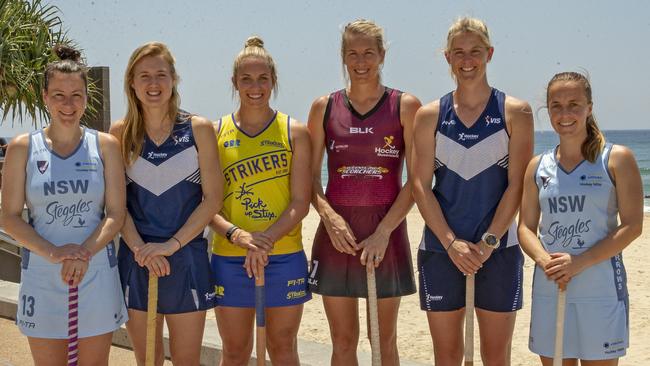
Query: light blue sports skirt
(43, 302)
(593, 330)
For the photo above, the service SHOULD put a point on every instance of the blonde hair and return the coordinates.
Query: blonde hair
(134, 129)
(362, 27)
(595, 141)
(468, 25)
(254, 47)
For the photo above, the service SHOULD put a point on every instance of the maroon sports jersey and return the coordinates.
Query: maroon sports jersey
(364, 152)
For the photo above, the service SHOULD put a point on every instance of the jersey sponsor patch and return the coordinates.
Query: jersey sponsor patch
(377, 172)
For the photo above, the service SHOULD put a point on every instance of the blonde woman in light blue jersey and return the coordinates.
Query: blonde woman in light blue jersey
(579, 190)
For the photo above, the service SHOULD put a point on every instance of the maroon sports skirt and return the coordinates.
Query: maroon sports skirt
(334, 273)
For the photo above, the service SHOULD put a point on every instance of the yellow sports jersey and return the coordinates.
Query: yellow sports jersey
(257, 187)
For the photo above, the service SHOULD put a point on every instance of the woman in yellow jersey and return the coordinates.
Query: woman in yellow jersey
(265, 158)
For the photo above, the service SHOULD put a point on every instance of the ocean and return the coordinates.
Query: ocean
(637, 140)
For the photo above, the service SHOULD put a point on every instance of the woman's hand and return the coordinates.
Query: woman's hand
(374, 248)
(255, 262)
(255, 241)
(563, 267)
(69, 251)
(340, 234)
(466, 256)
(143, 254)
(159, 266)
(73, 271)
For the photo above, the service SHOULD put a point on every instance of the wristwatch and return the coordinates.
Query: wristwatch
(491, 240)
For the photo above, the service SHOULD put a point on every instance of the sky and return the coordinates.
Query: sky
(533, 40)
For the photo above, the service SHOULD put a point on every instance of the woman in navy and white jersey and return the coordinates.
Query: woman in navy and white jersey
(478, 141)
(70, 177)
(579, 189)
(173, 189)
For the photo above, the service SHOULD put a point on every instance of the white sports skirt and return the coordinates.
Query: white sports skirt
(43, 302)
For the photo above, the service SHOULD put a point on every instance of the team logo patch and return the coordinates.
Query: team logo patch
(467, 136)
(334, 147)
(591, 180)
(545, 181)
(362, 171)
(388, 150)
(154, 155)
(232, 143)
(180, 139)
(492, 121)
(42, 165)
(85, 166)
(271, 143)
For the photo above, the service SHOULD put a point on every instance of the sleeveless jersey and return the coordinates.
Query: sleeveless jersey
(364, 152)
(471, 171)
(164, 183)
(578, 209)
(257, 173)
(65, 196)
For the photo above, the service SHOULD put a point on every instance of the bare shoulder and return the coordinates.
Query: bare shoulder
(298, 129)
(621, 156)
(107, 139)
(429, 112)
(201, 122)
(19, 142)
(410, 101)
(517, 108)
(319, 105)
(117, 127)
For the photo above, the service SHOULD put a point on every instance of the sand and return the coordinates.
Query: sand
(414, 341)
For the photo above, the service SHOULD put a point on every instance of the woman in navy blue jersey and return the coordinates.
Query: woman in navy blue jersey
(173, 190)
(477, 141)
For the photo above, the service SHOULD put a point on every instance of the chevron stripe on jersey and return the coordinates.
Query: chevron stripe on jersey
(159, 178)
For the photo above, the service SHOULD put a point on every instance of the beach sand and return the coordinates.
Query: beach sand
(413, 337)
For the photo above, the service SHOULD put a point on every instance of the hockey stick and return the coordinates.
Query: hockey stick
(559, 327)
(260, 319)
(469, 320)
(73, 324)
(152, 312)
(373, 317)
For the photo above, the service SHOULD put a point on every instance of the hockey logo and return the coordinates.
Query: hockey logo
(42, 165)
(545, 181)
(467, 136)
(388, 150)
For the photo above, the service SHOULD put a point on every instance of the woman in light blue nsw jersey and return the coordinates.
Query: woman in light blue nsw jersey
(579, 189)
(70, 178)
(478, 141)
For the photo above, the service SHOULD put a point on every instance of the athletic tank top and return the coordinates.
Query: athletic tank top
(578, 209)
(65, 196)
(164, 183)
(471, 171)
(364, 152)
(257, 173)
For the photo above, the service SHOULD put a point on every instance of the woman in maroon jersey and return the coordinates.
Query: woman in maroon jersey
(366, 131)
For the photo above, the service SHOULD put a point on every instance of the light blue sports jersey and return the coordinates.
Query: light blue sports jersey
(65, 196)
(578, 209)
(471, 171)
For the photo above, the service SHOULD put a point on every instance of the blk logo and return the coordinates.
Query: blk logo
(361, 130)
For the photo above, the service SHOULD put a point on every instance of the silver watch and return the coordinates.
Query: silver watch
(491, 240)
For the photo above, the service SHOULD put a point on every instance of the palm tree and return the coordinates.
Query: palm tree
(28, 31)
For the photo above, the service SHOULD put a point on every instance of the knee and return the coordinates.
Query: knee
(283, 350)
(494, 358)
(345, 341)
(236, 353)
(448, 355)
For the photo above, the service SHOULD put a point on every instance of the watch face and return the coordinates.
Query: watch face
(491, 239)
